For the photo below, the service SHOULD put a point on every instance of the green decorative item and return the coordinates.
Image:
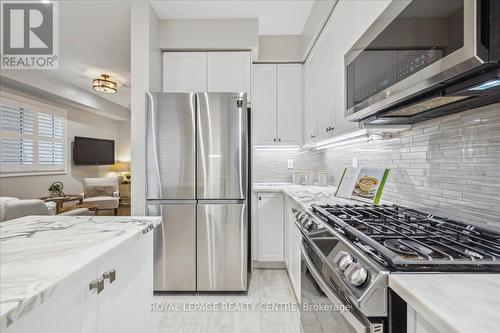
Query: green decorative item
(127, 177)
(56, 190)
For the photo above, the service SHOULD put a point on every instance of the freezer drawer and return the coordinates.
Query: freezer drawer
(222, 143)
(222, 247)
(174, 247)
(170, 146)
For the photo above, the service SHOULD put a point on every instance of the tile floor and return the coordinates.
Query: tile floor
(268, 288)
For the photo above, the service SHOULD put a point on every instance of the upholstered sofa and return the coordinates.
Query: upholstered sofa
(13, 208)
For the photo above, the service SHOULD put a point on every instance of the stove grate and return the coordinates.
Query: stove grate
(405, 237)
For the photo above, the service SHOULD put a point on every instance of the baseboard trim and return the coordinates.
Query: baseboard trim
(269, 264)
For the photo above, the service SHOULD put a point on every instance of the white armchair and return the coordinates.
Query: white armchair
(13, 208)
(102, 192)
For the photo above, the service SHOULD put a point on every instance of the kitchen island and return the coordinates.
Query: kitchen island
(76, 273)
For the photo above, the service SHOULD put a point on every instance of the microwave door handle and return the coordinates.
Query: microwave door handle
(358, 326)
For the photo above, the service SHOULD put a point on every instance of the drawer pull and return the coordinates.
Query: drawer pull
(97, 284)
(111, 275)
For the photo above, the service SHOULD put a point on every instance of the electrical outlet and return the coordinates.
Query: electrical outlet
(290, 164)
(354, 162)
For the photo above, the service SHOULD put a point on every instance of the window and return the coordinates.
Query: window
(32, 138)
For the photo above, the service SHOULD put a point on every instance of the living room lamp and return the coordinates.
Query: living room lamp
(120, 167)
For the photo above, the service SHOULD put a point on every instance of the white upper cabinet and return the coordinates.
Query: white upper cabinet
(289, 103)
(277, 104)
(326, 88)
(310, 108)
(229, 72)
(184, 71)
(207, 71)
(324, 71)
(264, 104)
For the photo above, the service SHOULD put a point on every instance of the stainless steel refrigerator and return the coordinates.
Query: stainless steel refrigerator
(197, 163)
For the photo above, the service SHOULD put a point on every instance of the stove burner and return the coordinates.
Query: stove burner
(407, 247)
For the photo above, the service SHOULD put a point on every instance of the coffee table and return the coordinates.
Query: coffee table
(92, 208)
(61, 200)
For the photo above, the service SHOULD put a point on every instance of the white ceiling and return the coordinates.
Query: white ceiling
(282, 17)
(94, 38)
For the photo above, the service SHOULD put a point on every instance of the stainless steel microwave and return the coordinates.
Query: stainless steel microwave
(423, 59)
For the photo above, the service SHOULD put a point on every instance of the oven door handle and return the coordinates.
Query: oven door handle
(358, 325)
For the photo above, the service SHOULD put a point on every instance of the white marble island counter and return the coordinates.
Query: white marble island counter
(39, 253)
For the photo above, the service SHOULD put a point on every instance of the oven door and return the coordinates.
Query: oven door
(317, 298)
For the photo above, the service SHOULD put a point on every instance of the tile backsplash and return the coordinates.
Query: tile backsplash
(448, 166)
(271, 166)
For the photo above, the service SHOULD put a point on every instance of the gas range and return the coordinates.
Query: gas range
(405, 239)
(352, 249)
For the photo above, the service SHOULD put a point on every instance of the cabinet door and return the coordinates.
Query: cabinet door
(72, 308)
(342, 43)
(270, 226)
(310, 107)
(289, 104)
(184, 71)
(229, 72)
(292, 250)
(325, 88)
(286, 229)
(264, 104)
(124, 304)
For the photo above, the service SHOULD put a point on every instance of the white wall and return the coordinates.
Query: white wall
(210, 34)
(280, 48)
(79, 123)
(145, 74)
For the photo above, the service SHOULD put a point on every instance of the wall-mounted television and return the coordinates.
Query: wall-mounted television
(92, 151)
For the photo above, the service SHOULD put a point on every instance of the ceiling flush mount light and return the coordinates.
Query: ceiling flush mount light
(104, 85)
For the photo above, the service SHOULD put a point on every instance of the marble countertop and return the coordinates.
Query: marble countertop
(461, 303)
(38, 253)
(305, 195)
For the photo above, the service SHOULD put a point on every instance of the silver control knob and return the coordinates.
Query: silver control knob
(345, 261)
(357, 275)
(308, 224)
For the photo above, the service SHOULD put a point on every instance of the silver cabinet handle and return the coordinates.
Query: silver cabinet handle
(274, 139)
(111, 275)
(97, 284)
(279, 139)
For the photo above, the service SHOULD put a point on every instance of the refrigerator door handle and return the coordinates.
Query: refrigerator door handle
(152, 115)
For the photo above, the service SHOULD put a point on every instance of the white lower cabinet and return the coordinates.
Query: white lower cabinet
(418, 324)
(277, 238)
(293, 237)
(123, 305)
(270, 236)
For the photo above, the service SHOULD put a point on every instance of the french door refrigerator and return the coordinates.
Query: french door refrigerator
(197, 163)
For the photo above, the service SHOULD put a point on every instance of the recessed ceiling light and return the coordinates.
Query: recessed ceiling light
(104, 85)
